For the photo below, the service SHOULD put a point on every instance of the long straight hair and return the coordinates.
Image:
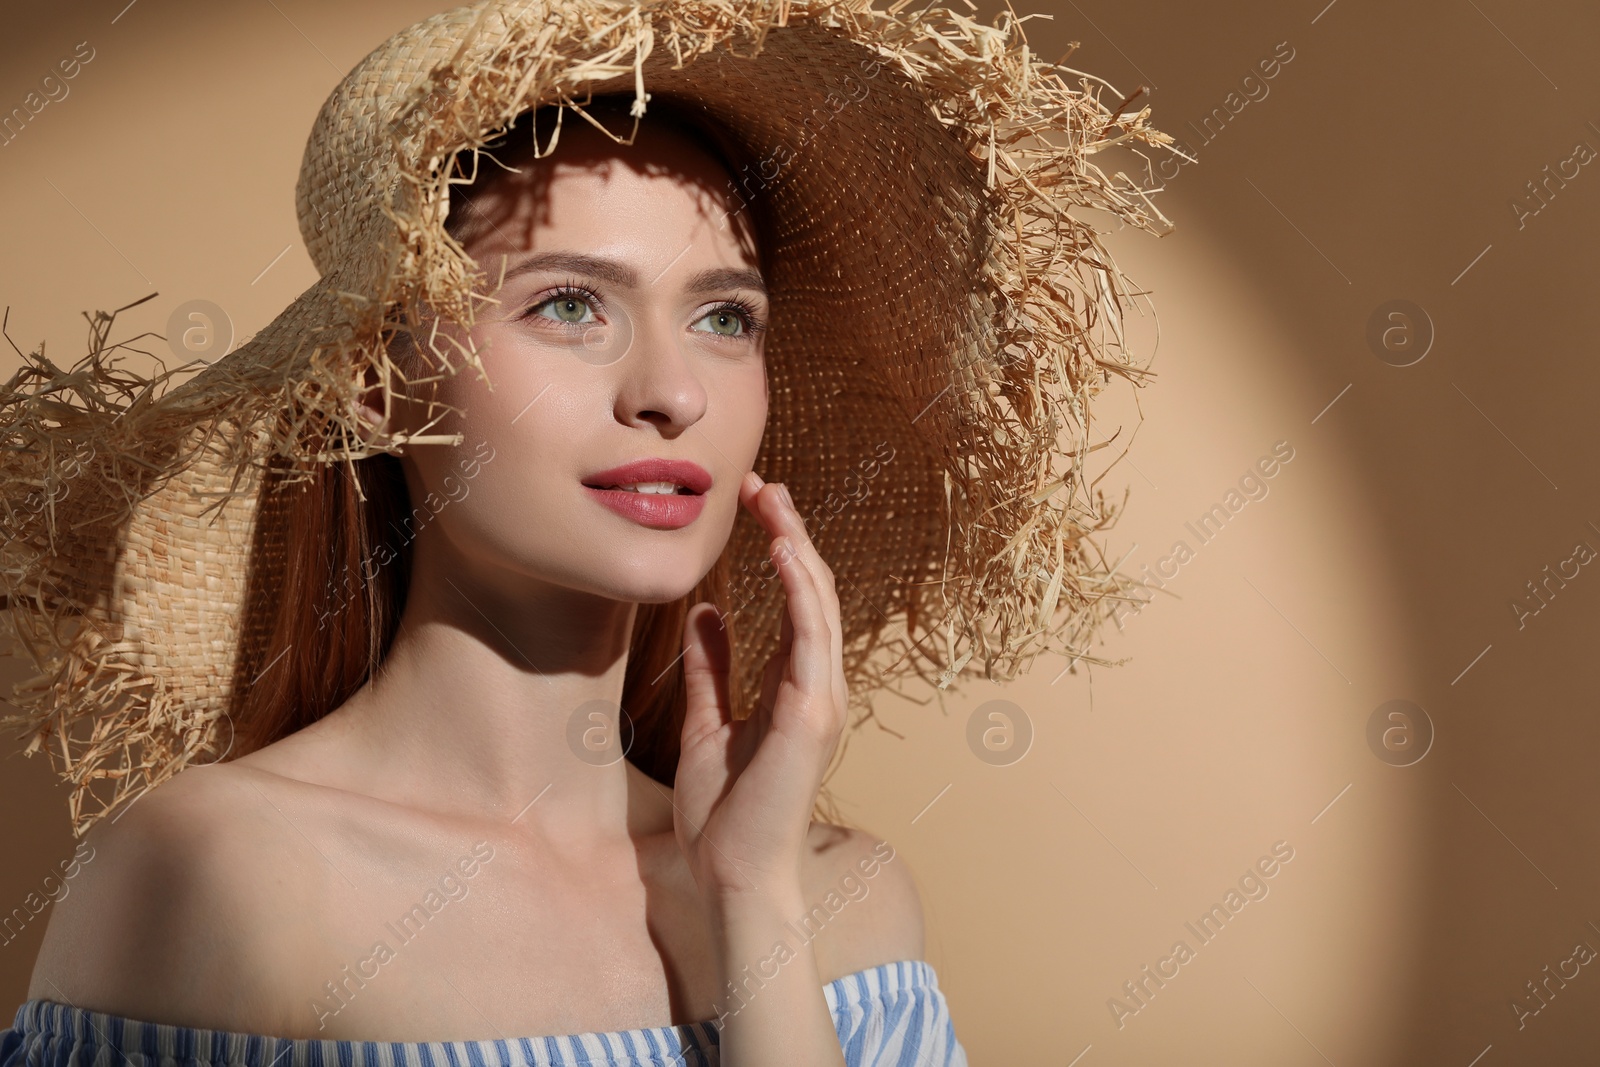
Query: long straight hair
(322, 610)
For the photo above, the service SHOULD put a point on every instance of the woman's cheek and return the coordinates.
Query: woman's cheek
(744, 397)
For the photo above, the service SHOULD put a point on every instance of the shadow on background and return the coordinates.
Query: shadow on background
(1428, 541)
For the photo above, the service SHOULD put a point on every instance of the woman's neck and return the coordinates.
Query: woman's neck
(489, 704)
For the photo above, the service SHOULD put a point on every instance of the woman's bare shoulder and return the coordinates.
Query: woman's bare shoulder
(174, 893)
(862, 901)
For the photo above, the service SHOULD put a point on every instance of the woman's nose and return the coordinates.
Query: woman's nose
(658, 383)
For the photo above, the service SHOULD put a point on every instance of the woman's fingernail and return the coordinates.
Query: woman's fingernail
(787, 499)
(755, 481)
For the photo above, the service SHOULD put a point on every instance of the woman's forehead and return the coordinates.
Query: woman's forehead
(592, 191)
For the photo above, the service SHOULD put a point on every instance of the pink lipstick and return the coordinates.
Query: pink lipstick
(663, 494)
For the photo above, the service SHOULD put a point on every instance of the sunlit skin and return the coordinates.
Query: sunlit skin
(611, 901)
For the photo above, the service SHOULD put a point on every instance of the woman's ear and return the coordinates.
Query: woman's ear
(370, 407)
(385, 403)
(378, 410)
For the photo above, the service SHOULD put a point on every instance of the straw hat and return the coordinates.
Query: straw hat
(942, 317)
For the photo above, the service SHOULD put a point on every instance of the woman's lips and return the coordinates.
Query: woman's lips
(660, 511)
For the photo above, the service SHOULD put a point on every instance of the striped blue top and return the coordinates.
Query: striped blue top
(891, 1015)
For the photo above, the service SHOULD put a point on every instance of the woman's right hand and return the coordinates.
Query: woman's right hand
(746, 788)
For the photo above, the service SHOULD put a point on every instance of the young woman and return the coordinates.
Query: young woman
(271, 893)
(456, 688)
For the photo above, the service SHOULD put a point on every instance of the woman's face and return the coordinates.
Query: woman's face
(628, 332)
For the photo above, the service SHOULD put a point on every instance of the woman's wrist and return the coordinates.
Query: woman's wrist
(770, 1006)
(755, 915)
(754, 938)
(754, 895)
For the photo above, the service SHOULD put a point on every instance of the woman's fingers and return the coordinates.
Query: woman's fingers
(811, 655)
(772, 675)
(812, 596)
(791, 519)
(823, 576)
(785, 519)
(767, 503)
(705, 671)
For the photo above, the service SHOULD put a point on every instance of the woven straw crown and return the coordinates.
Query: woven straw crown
(941, 323)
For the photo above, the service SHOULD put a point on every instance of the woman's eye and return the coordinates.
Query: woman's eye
(567, 308)
(725, 321)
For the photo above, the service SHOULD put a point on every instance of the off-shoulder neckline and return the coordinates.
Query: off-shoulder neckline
(156, 1039)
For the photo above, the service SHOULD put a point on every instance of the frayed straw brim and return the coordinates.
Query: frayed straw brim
(942, 318)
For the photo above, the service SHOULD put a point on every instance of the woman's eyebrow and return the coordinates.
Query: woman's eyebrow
(711, 279)
(714, 278)
(607, 270)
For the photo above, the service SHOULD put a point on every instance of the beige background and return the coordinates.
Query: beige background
(1382, 565)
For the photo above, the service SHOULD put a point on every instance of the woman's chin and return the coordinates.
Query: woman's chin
(652, 577)
(654, 594)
